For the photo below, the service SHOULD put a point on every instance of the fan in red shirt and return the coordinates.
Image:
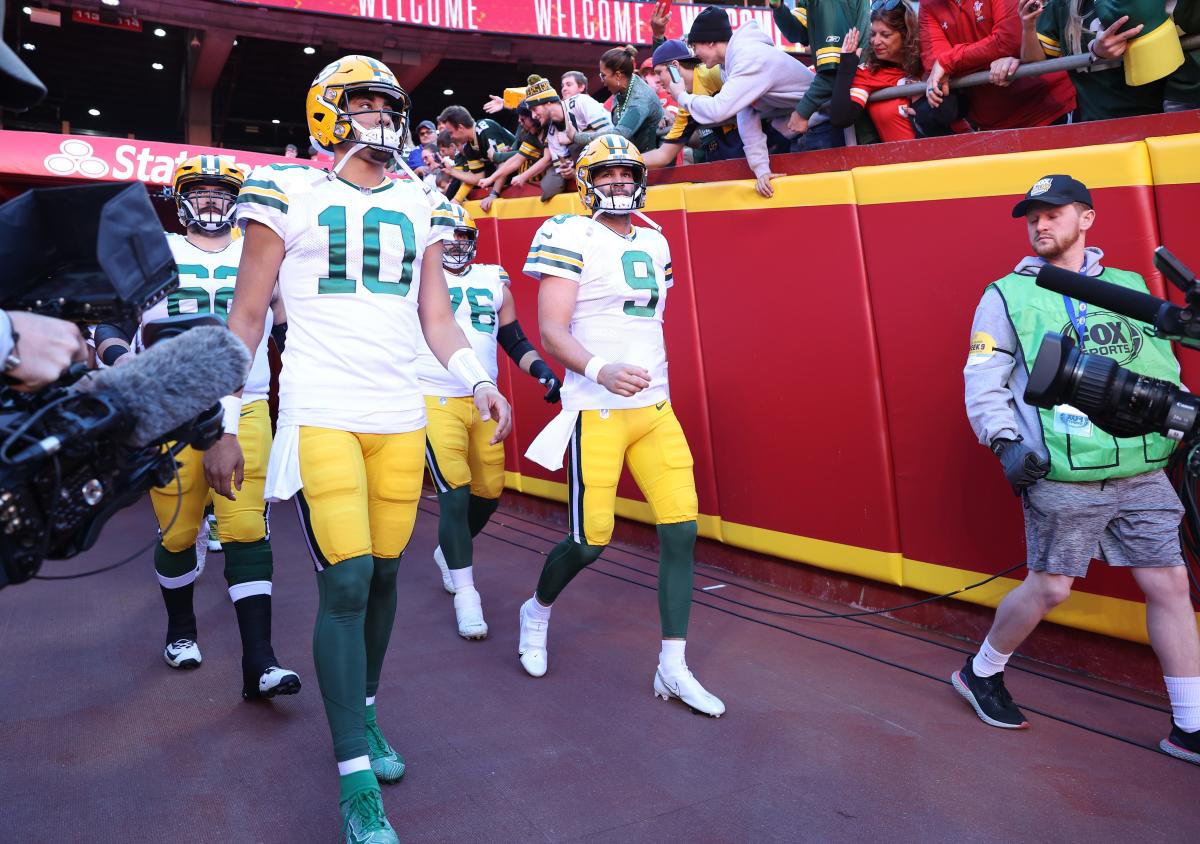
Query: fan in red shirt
(962, 36)
(893, 58)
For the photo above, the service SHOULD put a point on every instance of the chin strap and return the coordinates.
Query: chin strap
(634, 211)
(399, 157)
(337, 168)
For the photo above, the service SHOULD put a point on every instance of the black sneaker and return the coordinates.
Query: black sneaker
(1181, 745)
(988, 697)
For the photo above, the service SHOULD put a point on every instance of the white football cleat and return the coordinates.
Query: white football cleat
(681, 683)
(182, 654)
(440, 559)
(469, 610)
(214, 538)
(272, 682)
(532, 647)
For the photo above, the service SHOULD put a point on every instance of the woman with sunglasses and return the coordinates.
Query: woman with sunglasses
(893, 58)
(636, 109)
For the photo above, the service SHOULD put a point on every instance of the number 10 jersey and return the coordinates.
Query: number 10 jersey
(349, 279)
(618, 316)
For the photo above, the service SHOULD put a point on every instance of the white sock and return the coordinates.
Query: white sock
(463, 578)
(671, 655)
(359, 763)
(988, 661)
(371, 700)
(1184, 693)
(537, 611)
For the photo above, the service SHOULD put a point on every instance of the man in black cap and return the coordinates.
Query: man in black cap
(1086, 493)
(761, 83)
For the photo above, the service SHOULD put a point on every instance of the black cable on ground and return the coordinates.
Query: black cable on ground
(1068, 721)
(849, 616)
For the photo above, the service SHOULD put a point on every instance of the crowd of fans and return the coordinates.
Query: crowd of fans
(725, 94)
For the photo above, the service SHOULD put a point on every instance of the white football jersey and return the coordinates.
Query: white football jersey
(349, 279)
(476, 297)
(206, 284)
(618, 315)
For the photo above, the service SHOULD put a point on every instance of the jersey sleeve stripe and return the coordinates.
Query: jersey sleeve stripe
(252, 197)
(801, 15)
(570, 270)
(859, 95)
(566, 254)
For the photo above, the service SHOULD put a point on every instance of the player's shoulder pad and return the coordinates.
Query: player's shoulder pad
(290, 179)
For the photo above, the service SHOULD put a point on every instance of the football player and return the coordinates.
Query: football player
(466, 465)
(355, 253)
(205, 188)
(602, 293)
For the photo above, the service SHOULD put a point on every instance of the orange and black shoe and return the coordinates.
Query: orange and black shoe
(988, 697)
(1181, 745)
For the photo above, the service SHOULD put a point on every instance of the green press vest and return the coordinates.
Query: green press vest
(1034, 312)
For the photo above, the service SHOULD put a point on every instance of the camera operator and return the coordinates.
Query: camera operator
(1085, 493)
(36, 349)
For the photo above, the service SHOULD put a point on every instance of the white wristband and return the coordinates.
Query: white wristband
(232, 405)
(465, 366)
(592, 371)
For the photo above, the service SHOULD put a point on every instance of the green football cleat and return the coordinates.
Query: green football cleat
(364, 821)
(385, 762)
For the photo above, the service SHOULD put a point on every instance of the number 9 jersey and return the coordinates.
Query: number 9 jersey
(622, 294)
(349, 281)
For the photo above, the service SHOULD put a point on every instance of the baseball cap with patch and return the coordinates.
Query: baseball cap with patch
(1054, 190)
(674, 50)
(427, 124)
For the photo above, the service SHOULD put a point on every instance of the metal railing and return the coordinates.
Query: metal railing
(983, 77)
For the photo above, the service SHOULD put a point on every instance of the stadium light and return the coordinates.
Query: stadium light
(28, 48)
(156, 65)
(308, 51)
(94, 112)
(449, 92)
(27, 10)
(111, 2)
(275, 120)
(160, 32)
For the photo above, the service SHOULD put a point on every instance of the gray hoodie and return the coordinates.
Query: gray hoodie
(761, 82)
(996, 381)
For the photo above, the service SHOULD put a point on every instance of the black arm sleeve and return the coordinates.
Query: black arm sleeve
(108, 331)
(513, 341)
(279, 334)
(843, 111)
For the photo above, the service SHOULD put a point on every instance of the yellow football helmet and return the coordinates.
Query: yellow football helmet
(459, 252)
(329, 124)
(205, 189)
(610, 151)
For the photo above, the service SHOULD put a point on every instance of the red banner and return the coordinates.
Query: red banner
(63, 157)
(610, 21)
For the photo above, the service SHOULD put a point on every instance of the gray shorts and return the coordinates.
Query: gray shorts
(1125, 522)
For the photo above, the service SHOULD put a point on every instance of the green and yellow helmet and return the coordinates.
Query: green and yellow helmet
(329, 124)
(610, 151)
(205, 188)
(459, 252)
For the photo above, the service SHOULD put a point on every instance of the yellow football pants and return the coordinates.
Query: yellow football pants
(243, 520)
(458, 448)
(652, 441)
(360, 492)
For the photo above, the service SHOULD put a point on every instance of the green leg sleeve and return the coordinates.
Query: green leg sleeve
(676, 565)
(172, 564)
(567, 559)
(479, 511)
(247, 562)
(381, 613)
(453, 534)
(340, 653)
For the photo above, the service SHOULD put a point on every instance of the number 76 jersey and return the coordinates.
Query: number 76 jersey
(623, 284)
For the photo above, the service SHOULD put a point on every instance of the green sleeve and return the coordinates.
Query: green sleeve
(790, 24)
(818, 93)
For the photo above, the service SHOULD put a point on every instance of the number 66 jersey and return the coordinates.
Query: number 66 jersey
(349, 280)
(618, 316)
